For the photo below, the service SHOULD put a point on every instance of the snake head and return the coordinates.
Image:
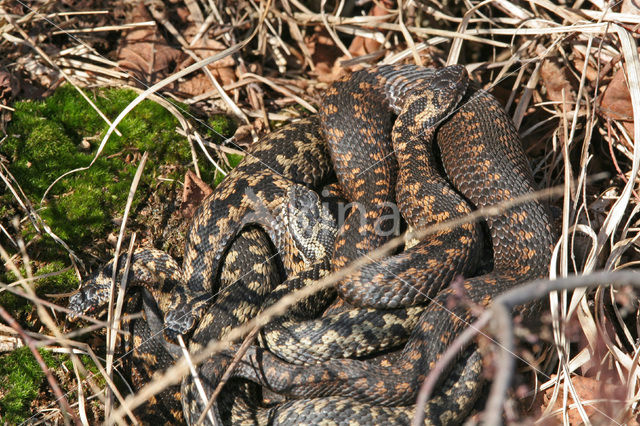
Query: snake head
(93, 296)
(453, 77)
(447, 89)
(432, 102)
(181, 318)
(309, 222)
(91, 299)
(178, 323)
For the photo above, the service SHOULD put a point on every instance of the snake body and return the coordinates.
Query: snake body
(154, 275)
(295, 152)
(222, 215)
(248, 263)
(483, 160)
(363, 154)
(250, 272)
(493, 170)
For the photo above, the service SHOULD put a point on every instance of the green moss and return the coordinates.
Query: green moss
(58, 283)
(20, 380)
(220, 127)
(234, 160)
(44, 141)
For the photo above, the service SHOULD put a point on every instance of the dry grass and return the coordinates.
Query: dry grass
(551, 65)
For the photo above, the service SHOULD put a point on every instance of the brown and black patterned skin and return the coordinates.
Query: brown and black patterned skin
(288, 156)
(424, 198)
(153, 275)
(366, 325)
(457, 393)
(357, 118)
(451, 403)
(250, 271)
(294, 152)
(149, 351)
(362, 154)
(364, 161)
(301, 157)
(249, 293)
(497, 169)
(492, 169)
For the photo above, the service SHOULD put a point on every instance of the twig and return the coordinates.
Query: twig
(174, 373)
(229, 371)
(113, 316)
(198, 383)
(60, 398)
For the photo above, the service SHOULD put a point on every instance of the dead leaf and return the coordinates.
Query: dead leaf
(145, 52)
(223, 70)
(615, 103)
(243, 136)
(555, 80)
(630, 7)
(195, 190)
(364, 45)
(612, 396)
(37, 71)
(327, 56)
(324, 53)
(6, 88)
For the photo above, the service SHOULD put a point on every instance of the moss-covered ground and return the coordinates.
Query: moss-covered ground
(48, 138)
(44, 140)
(20, 381)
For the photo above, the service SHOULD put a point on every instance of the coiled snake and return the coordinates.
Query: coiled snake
(483, 160)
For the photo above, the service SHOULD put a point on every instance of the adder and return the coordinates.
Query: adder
(508, 169)
(482, 157)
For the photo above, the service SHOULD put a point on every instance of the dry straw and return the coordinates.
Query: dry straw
(516, 42)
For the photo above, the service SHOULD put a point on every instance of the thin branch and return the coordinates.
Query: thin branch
(60, 398)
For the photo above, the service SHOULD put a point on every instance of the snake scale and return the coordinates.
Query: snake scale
(375, 133)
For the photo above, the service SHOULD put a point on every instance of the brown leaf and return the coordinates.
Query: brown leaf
(243, 136)
(324, 53)
(223, 70)
(364, 45)
(195, 190)
(630, 7)
(555, 79)
(327, 56)
(38, 71)
(615, 103)
(590, 389)
(144, 52)
(6, 88)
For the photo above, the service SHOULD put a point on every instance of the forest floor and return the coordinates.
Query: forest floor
(569, 76)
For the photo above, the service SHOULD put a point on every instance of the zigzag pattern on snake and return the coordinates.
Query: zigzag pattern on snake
(522, 241)
(486, 165)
